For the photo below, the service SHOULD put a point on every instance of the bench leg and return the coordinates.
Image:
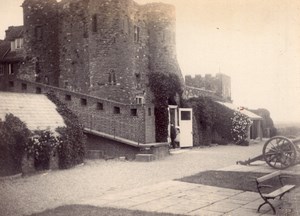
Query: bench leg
(267, 202)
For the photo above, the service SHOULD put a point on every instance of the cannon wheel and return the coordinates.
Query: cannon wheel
(280, 152)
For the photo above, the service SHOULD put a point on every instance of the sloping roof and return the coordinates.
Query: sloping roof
(234, 107)
(4, 48)
(14, 32)
(37, 111)
(14, 56)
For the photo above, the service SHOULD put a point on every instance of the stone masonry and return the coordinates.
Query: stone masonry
(104, 49)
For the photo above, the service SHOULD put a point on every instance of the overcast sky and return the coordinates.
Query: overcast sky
(256, 42)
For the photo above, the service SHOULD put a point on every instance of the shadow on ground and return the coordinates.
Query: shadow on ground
(87, 210)
(235, 180)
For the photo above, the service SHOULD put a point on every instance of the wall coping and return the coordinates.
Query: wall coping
(125, 141)
(75, 93)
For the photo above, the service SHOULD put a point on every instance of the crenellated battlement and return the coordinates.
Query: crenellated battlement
(220, 84)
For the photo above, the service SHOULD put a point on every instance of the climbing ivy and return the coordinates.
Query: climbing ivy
(165, 87)
(72, 139)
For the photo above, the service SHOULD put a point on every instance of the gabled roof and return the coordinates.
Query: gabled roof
(14, 32)
(246, 112)
(37, 111)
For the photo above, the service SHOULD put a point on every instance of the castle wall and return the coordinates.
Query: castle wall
(219, 85)
(98, 114)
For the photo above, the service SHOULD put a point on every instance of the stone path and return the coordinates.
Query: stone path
(136, 185)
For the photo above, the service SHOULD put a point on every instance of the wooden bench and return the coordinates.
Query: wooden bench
(277, 192)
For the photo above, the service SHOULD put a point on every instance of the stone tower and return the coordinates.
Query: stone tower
(105, 48)
(41, 41)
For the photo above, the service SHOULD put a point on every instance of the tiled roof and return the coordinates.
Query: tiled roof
(37, 111)
(14, 32)
(246, 112)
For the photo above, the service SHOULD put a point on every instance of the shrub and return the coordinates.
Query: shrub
(13, 137)
(72, 139)
(239, 129)
(41, 146)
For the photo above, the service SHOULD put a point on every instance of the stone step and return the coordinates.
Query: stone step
(144, 157)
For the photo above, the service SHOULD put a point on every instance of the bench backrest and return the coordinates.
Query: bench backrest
(268, 176)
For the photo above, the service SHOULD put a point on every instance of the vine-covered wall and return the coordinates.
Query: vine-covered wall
(165, 88)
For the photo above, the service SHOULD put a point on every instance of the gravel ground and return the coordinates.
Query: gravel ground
(55, 188)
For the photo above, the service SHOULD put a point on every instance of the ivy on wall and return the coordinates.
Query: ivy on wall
(217, 123)
(72, 139)
(165, 87)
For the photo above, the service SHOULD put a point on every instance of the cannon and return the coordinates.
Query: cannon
(278, 152)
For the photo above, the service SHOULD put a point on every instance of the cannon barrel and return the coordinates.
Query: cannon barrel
(296, 140)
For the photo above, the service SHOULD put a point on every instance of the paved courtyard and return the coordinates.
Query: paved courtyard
(143, 186)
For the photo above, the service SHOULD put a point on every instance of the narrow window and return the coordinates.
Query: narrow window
(24, 86)
(136, 33)
(94, 23)
(133, 112)
(117, 110)
(83, 102)
(38, 90)
(112, 78)
(149, 111)
(99, 106)
(126, 25)
(11, 84)
(68, 97)
(39, 33)
(10, 69)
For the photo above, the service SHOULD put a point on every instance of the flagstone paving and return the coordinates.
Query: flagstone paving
(146, 186)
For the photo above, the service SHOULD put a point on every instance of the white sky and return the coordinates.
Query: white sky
(256, 42)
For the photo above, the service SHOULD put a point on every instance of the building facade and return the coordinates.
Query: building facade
(97, 55)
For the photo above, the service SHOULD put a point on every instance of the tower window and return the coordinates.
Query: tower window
(136, 33)
(94, 23)
(149, 111)
(139, 100)
(112, 77)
